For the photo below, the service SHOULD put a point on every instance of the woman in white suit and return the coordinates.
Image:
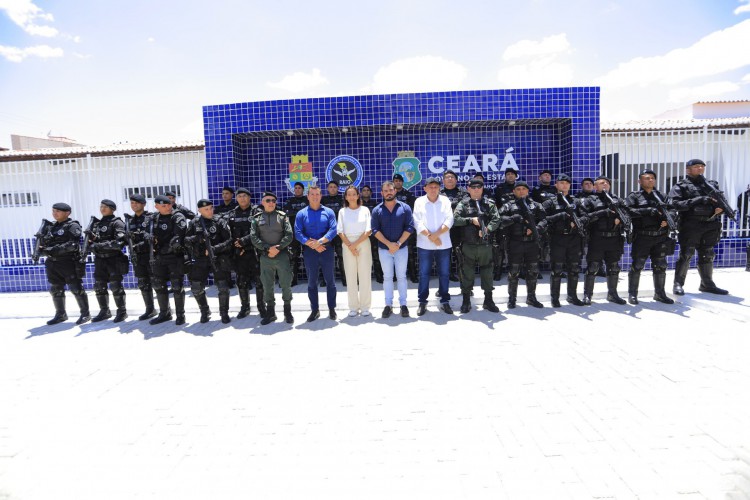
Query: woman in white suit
(354, 230)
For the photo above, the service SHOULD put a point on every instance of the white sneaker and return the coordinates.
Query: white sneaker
(352, 314)
(366, 312)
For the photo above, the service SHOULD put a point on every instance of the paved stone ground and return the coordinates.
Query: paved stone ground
(648, 402)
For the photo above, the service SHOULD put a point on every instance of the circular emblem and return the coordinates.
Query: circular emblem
(102, 229)
(164, 227)
(143, 224)
(345, 170)
(60, 232)
(183, 223)
(212, 229)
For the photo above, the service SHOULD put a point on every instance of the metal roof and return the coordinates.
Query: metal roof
(692, 123)
(109, 150)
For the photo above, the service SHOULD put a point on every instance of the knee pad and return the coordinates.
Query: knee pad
(176, 282)
(196, 287)
(76, 290)
(514, 271)
(574, 268)
(686, 252)
(57, 290)
(144, 284)
(532, 267)
(242, 281)
(100, 287)
(116, 288)
(639, 264)
(659, 266)
(222, 286)
(557, 269)
(706, 255)
(160, 286)
(593, 268)
(613, 268)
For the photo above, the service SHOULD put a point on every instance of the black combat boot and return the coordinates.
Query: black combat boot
(466, 304)
(572, 297)
(634, 280)
(612, 295)
(148, 300)
(288, 313)
(270, 316)
(202, 301)
(223, 288)
(706, 271)
(259, 302)
(83, 306)
(680, 273)
(165, 313)
(588, 288)
(179, 306)
(747, 258)
(340, 260)
(512, 292)
(60, 314)
(121, 313)
(244, 294)
(489, 304)
(531, 293)
(554, 284)
(660, 295)
(104, 312)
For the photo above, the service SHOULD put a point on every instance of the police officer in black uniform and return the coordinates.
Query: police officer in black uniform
(137, 227)
(110, 264)
(503, 193)
(291, 207)
(245, 259)
(566, 240)
(517, 216)
(60, 244)
(545, 189)
(168, 241)
(207, 234)
(176, 207)
(606, 241)
(587, 188)
(335, 201)
(651, 237)
(407, 197)
(700, 226)
(370, 202)
(227, 203)
(455, 194)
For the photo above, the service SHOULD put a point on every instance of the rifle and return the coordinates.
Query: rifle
(38, 244)
(207, 242)
(482, 225)
(625, 220)
(529, 216)
(571, 211)
(129, 239)
(721, 201)
(151, 252)
(671, 224)
(88, 235)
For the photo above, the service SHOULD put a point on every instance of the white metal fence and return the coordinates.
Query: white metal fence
(726, 152)
(29, 188)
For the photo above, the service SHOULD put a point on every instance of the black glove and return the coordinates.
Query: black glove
(148, 237)
(174, 244)
(52, 251)
(190, 240)
(701, 200)
(97, 247)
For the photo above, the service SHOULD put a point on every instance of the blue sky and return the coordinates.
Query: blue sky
(106, 72)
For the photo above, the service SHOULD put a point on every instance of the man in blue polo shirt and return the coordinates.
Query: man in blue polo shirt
(392, 224)
(314, 228)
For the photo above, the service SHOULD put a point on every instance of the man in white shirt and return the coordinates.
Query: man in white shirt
(433, 219)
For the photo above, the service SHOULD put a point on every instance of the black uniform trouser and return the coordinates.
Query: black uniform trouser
(169, 267)
(110, 269)
(295, 253)
(609, 249)
(64, 271)
(247, 268)
(700, 236)
(565, 254)
(376, 267)
(198, 276)
(655, 247)
(522, 255)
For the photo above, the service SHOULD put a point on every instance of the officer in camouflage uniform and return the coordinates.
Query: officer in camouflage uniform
(59, 242)
(335, 201)
(169, 259)
(476, 246)
(203, 232)
(271, 233)
(110, 264)
(245, 260)
(292, 206)
(137, 226)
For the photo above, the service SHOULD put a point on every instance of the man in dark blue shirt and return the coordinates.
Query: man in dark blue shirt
(315, 228)
(392, 224)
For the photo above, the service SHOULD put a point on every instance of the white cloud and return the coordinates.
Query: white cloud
(418, 74)
(715, 53)
(743, 8)
(151, 39)
(746, 78)
(300, 81)
(555, 44)
(24, 13)
(686, 95)
(16, 54)
(539, 72)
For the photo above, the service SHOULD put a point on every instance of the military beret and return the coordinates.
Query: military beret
(203, 202)
(647, 172)
(227, 188)
(243, 191)
(61, 206)
(520, 184)
(270, 194)
(162, 200)
(109, 203)
(695, 161)
(476, 183)
(138, 198)
(511, 169)
(332, 182)
(564, 177)
(398, 176)
(604, 177)
(545, 171)
(170, 193)
(450, 172)
(587, 179)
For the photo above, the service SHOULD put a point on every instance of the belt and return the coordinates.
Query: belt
(609, 234)
(522, 238)
(661, 232)
(565, 232)
(700, 218)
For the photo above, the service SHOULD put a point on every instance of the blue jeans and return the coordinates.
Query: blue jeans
(313, 262)
(442, 260)
(390, 262)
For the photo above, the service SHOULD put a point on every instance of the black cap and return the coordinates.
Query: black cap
(203, 202)
(137, 197)
(432, 180)
(476, 183)
(61, 206)
(243, 191)
(162, 199)
(450, 172)
(646, 172)
(587, 179)
(479, 174)
(109, 203)
(511, 169)
(545, 171)
(695, 161)
(170, 193)
(227, 188)
(521, 184)
(332, 182)
(270, 194)
(299, 184)
(398, 176)
(609, 181)
(564, 177)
